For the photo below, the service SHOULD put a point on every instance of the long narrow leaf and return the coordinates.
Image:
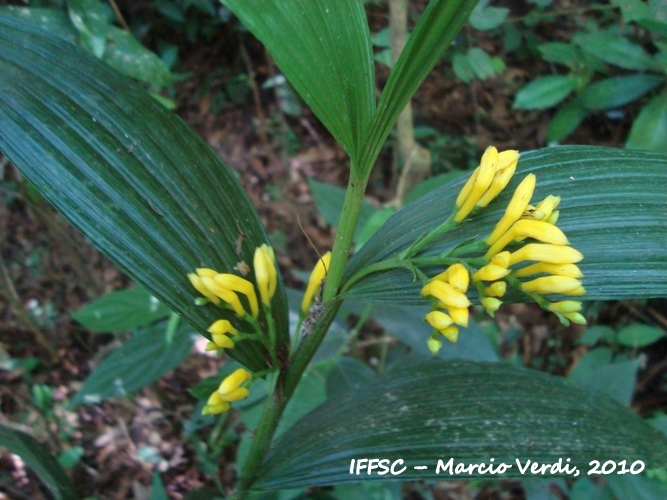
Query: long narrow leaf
(469, 412)
(140, 184)
(324, 49)
(33, 453)
(436, 29)
(613, 209)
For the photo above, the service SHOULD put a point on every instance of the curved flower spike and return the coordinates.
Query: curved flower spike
(315, 281)
(240, 285)
(265, 273)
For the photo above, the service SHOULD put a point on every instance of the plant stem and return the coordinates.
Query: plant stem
(321, 316)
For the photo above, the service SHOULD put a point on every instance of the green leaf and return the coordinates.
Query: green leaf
(616, 50)
(596, 333)
(565, 121)
(371, 225)
(54, 20)
(329, 201)
(90, 19)
(650, 127)
(34, 454)
(598, 372)
(121, 311)
(481, 63)
(437, 410)
(632, 10)
(618, 90)
(126, 54)
(324, 49)
(618, 225)
(639, 335)
(140, 184)
(140, 361)
(434, 32)
(485, 18)
(561, 53)
(544, 92)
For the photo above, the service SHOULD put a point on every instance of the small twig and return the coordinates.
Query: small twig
(259, 110)
(119, 15)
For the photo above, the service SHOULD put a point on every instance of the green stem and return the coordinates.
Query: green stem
(321, 318)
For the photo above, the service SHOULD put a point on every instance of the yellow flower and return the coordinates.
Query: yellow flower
(438, 320)
(456, 275)
(507, 162)
(460, 315)
(196, 281)
(554, 284)
(501, 259)
(543, 252)
(569, 270)
(434, 345)
(496, 289)
(230, 390)
(315, 281)
(445, 293)
(478, 183)
(219, 331)
(490, 272)
(265, 273)
(491, 304)
(225, 294)
(566, 306)
(515, 208)
(524, 228)
(576, 317)
(451, 333)
(239, 285)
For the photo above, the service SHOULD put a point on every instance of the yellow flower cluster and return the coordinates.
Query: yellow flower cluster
(225, 288)
(554, 261)
(315, 281)
(230, 390)
(448, 289)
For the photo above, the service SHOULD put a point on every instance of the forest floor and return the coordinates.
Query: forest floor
(52, 270)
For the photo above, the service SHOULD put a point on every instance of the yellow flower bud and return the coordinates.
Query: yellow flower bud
(315, 281)
(576, 317)
(569, 270)
(446, 294)
(201, 288)
(501, 259)
(438, 320)
(490, 272)
(566, 306)
(524, 228)
(451, 333)
(556, 254)
(547, 206)
(459, 315)
(235, 395)
(225, 294)
(265, 273)
(467, 187)
(459, 277)
(496, 289)
(507, 162)
(553, 218)
(487, 170)
(515, 208)
(434, 345)
(580, 290)
(215, 405)
(240, 285)
(233, 381)
(204, 272)
(221, 327)
(491, 304)
(219, 331)
(551, 284)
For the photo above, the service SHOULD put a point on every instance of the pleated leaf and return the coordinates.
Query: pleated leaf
(135, 179)
(324, 50)
(613, 210)
(471, 412)
(34, 454)
(434, 32)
